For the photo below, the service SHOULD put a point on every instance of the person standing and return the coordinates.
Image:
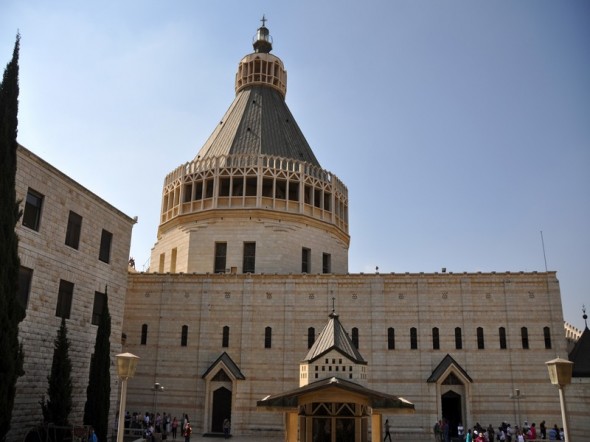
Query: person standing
(226, 428)
(174, 427)
(460, 431)
(187, 429)
(92, 436)
(387, 428)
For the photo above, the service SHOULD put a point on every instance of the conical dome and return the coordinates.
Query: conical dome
(254, 199)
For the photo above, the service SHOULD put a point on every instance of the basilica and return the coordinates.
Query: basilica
(251, 261)
(248, 311)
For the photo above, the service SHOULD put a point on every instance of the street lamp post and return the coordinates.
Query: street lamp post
(157, 387)
(560, 373)
(126, 365)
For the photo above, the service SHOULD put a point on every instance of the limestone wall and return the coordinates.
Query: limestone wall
(290, 304)
(44, 251)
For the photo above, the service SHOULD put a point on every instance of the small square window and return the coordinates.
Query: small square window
(32, 212)
(64, 299)
(73, 231)
(106, 240)
(25, 275)
(98, 309)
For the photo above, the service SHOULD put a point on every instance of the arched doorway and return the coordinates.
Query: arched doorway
(221, 409)
(451, 410)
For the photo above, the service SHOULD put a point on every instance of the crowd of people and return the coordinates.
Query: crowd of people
(164, 424)
(502, 433)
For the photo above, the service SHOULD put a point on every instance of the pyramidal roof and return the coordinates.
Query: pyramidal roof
(334, 337)
(580, 354)
(258, 122)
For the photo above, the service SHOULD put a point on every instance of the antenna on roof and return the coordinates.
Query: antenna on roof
(543, 245)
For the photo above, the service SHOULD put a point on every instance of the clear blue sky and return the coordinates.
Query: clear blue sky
(461, 128)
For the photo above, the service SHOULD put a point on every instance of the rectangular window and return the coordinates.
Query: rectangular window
(106, 239)
(25, 276)
(326, 263)
(305, 260)
(225, 337)
(413, 338)
(162, 262)
(547, 336)
(32, 213)
(502, 333)
(480, 340)
(144, 332)
(524, 334)
(99, 307)
(173, 260)
(249, 261)
(73, 231)
(458, 338)
(220, 257)
(267, 337)
(391, 338)
(435, 339)
(184, 336)
(64, 299)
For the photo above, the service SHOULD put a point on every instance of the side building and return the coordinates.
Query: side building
(72, 246)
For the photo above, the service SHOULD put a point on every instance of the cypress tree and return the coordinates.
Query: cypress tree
(58, 406)
(98, 392)
(11, 312)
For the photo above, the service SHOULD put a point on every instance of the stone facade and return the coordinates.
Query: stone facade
(526, 305)
(43, 250)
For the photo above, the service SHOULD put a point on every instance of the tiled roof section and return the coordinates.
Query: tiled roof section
(580, 356)
(334, 337)
(377, 400)
(442, 368)
(258, 122)
(225, 359)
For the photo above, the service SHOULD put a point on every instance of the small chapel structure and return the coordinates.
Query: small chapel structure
(333, 403)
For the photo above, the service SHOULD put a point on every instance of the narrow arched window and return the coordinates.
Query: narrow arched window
(268, 337)
(524, 334)
(458, 338)
(144, 334)
(225, 337)
(355, 337)
(184, 336)
(413, 338)
(435, 339)
(391, 338)
(310, 336)
(547, 336)
(480, 341)
(502, 332)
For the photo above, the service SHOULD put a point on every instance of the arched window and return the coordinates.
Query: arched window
(268, 337)
(144, 334)
(413, 338)
(458, 338)
(480, 341)
(225, 337)
(391, 338)
(310, 336)
(502, 332)
(524, 334)
(184, 336)
(435, 339)
(355, 337)
(547, 336)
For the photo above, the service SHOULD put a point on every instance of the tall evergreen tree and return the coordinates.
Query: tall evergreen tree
(11, 312)
(58, 406)
(98, 392)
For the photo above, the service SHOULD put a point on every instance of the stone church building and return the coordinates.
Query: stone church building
(252, 256)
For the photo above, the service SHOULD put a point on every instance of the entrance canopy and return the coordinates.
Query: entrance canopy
(335, 390)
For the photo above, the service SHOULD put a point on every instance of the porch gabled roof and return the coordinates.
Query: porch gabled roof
(376, 399)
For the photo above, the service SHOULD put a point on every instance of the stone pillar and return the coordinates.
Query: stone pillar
(376, 426)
